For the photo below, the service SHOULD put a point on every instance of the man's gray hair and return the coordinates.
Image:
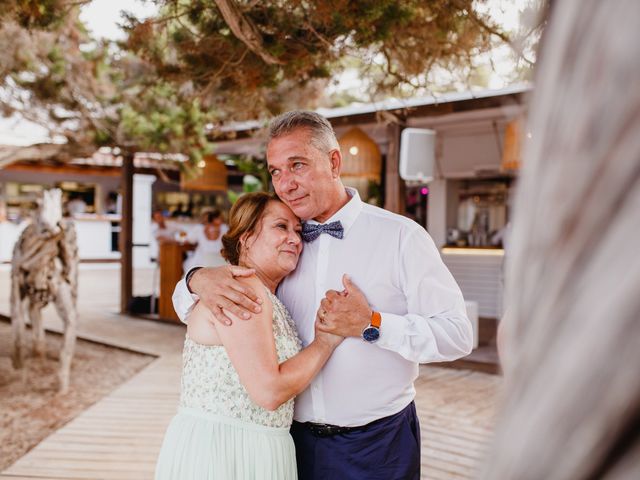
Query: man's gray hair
(322, 135)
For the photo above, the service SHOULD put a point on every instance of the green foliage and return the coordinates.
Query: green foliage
(188, 69)
(159, 119)
(406, 38)
(35, 14)
(93, 93)
(255, 167)
(256, 179)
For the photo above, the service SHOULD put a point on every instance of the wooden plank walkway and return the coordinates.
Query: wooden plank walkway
(456, 410)
(119, 437)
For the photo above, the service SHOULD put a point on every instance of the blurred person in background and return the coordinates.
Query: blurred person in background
(76, 205)
(208, 240)
(159, 231)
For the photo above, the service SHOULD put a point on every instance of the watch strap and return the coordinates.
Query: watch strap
(376, 319)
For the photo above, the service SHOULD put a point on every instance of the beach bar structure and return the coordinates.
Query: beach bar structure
(465, 208)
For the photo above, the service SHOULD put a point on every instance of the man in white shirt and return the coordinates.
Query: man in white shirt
(379, 281)
(76, 205)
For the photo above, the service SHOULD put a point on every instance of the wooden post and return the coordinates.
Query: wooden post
(394, 189)
(126, 234)
(170, 258)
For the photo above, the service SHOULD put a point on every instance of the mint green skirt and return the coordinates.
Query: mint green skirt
(200, 446)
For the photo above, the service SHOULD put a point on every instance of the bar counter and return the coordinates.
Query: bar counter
(479, 273)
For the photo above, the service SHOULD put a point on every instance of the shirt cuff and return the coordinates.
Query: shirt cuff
(183, 301)
(392, 330)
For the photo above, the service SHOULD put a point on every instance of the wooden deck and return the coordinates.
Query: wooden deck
(456, 410)
(119, 437)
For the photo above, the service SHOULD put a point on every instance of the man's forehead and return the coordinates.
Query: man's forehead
(286, 159)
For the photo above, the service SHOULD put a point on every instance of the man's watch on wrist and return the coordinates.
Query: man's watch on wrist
(371, 332)
(188, 276)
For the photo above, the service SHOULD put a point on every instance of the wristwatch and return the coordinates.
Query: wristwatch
(371, 332)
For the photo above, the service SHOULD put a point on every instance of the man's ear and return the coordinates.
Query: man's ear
(336, 162)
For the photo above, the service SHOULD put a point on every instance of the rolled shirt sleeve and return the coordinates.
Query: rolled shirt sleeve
(436, 327)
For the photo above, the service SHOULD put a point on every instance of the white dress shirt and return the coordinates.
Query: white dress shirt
(395, 263)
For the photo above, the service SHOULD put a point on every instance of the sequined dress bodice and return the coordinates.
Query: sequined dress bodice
(211, 384)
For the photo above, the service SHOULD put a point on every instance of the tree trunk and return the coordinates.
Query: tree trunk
(572, 333)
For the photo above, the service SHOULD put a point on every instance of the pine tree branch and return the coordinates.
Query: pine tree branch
(245, 30)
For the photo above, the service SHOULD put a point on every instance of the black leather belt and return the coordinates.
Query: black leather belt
(326, 430)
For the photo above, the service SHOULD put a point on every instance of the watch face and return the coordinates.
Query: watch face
(371, 334)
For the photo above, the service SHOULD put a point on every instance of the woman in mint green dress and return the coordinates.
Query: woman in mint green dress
(238, 381)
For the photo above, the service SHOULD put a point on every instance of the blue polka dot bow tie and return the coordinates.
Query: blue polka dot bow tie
(311, 231)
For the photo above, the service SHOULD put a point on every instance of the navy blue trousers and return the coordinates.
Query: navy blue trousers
(387, 449)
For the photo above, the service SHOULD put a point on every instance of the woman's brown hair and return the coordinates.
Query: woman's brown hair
(244, 217)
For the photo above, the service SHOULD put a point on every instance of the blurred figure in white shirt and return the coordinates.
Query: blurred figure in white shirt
(76, 205)
(159, 231)
(208, 238)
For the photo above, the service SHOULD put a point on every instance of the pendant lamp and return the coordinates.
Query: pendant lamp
(212, 177)
(512, 145)
(361, 156)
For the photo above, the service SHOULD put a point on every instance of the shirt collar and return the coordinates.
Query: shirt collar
(348, 213)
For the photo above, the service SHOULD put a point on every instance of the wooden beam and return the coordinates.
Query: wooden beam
(63, 169)
(394, 188)
(94, 170)
(126, 234)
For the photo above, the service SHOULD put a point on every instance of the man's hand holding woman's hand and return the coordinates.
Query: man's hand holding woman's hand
(219, 289)
(344, 313)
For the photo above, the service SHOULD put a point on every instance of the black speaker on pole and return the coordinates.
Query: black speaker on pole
(417, 154)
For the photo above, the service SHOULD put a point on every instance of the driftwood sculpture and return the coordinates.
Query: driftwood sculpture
(571, 340)
(44, 269)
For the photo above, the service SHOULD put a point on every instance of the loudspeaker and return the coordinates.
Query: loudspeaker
(417, 154)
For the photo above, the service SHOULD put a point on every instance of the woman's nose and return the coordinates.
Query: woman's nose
(294, 238)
